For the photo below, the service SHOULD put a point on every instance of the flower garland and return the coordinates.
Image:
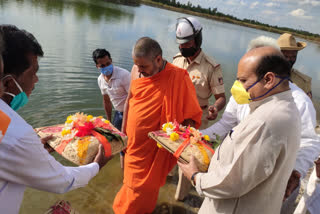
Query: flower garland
(175, 131)
(83, 145)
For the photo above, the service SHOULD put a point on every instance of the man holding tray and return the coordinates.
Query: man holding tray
(23, 160)
(309, 143)
(249, 171)
(160, 92)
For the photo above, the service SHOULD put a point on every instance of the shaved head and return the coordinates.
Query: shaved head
(147, 48)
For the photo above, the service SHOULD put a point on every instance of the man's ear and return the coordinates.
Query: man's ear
(270, 80)
(158, 59)
(7, 84)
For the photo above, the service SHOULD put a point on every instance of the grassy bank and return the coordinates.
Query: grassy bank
(228, 20)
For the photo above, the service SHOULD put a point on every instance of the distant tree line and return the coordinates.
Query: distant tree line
(126, 2)
(214, 12)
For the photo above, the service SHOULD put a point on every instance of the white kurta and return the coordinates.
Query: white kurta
(24, 162)
(309, 143)
(249, 171)
(311, 199)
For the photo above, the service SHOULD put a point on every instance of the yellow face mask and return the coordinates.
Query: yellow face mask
(239, 93)
(242, 96)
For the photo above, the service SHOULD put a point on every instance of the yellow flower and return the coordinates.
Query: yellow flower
(100, 117)
(65, 132)
(174, 136)
(206, 137)
(83, 145)
(89, 117)
(69, 119)
(205, 156)
(107, 121)
(167, 125)
(159, 145)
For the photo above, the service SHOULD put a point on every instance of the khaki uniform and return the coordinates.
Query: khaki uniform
(301, 80)
(206, 76)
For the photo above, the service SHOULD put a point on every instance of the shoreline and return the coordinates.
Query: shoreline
(227, 20)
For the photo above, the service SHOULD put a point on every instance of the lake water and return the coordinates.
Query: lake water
(70, 30)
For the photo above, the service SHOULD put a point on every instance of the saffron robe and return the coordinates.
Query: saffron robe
(166, 96)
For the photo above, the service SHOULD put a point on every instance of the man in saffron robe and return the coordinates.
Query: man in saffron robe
(159, 92)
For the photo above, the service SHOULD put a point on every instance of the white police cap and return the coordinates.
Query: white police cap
(187, 29)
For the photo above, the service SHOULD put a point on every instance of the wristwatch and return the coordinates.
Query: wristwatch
(193, 182)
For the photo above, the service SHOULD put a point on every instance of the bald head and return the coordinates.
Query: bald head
(266, 59)
(263, 72)
(147, 48)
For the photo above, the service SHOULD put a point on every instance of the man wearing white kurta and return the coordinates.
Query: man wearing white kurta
(23, 160)
(309, 143)
(249, 171)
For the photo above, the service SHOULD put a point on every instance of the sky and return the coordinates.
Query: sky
(297, 14)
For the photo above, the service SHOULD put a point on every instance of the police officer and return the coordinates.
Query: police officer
(204, 72)
(289, 47)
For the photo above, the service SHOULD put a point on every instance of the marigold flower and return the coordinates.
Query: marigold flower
(174, 136)
(65, 132)
(167, 125)
(107, 121)
(206, 137)
(69, 119)
(89, 117)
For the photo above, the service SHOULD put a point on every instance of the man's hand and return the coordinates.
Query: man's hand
(293, 183)
(189, 169)
(46, 145)
(100, 158)
(213, 112)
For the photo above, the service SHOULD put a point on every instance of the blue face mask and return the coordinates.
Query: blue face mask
(18, 100)
(282, 79)
(106, 70)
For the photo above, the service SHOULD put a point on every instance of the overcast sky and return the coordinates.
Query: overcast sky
(298, 14)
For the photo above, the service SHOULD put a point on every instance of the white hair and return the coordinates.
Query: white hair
(263, 41)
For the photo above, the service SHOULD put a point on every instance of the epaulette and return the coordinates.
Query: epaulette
(211, 61)
(178, 55)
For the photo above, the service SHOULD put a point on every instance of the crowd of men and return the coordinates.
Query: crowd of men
(268, 126)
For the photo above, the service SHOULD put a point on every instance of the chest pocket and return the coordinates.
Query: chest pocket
(197, 77)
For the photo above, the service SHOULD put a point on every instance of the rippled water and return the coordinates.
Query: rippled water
(70, 30)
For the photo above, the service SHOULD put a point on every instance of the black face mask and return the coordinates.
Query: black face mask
(188, 52)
